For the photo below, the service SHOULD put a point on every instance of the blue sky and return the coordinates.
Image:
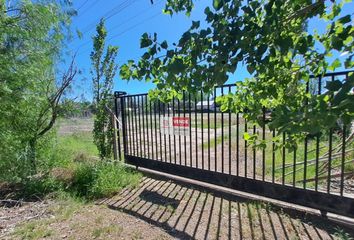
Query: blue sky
(124, 30)
(127, 21)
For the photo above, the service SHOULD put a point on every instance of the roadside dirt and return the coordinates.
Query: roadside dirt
(16, 212)
(166, 209)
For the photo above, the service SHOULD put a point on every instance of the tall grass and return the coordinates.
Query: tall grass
(72, 166)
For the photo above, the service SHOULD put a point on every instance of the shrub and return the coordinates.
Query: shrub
(36, 188)
(111, 178)
(84, 177)
(102, 179)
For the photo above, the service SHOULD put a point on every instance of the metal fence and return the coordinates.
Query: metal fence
(192, 138)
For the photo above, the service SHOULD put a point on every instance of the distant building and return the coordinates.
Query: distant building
(208, 105)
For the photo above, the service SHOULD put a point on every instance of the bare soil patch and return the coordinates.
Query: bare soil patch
(164, 209)
(187, 212)
(16, 212)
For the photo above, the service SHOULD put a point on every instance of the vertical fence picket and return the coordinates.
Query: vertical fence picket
(215, 134)
(174, 135)
(184, 135)
(143, 120)
(254, 155)
(222, 136)
(245, 158)
(202, 126)
(209, 158)
(283, 160)
(342, 167)
(237, 144)
(196, 131)
(230, 137)
(179, 135)
(160, 135)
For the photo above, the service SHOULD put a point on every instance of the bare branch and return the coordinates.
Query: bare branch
(53, 102)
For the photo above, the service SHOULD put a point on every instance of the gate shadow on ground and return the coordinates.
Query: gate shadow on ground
(188, 211)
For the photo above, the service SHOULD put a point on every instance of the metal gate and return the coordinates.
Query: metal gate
(191, 137)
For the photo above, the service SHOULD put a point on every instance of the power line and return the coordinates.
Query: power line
(124, 22)
(89, 7)
(133, 17)
(119, 8)
(134, 26)
(82, 5)
(126, 30)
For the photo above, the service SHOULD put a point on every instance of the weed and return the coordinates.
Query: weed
(99, 220)
(98, 232)
(341, 234)
(171, 208)
(250, 211)
(111, 178)
(33, 230)
(137, 235)
(218, 140)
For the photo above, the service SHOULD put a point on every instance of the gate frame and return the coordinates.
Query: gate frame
(305, 197)
(325, 202)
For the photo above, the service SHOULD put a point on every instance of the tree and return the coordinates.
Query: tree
(270, 37)
(103, 71)
(32, 35)
(48, 111)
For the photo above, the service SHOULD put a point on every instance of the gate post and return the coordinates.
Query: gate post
(119, 95)
(114, 117)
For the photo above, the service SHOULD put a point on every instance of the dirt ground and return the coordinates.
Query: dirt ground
(165, 209)
(75, 125)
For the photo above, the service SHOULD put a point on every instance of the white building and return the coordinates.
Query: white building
(203, 105)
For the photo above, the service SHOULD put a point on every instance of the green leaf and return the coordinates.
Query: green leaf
(302, 46)
(217, 4)
(246, 136)
(170, 53)
(250, 69)
(145, 41)
(337, 43)
(177, 66)
(167, 12)
(146, 56)
(285, 43)
(336, 64)
(334, 85)
(195, 24)
(164, 45)
(345, 19)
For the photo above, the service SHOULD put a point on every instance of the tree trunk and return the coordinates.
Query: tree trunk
(32, 156)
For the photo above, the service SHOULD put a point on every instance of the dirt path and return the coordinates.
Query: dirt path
(165, 209)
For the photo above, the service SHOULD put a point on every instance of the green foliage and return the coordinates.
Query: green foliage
(341, 234)
(102, 179)
(111, 178)
(71, 146)
(85, 178)
(69, 108)
(31, 38)
(103, 71)
(271, 38)
(39, 187)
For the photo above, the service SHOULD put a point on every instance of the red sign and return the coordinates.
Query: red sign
(180, 121)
